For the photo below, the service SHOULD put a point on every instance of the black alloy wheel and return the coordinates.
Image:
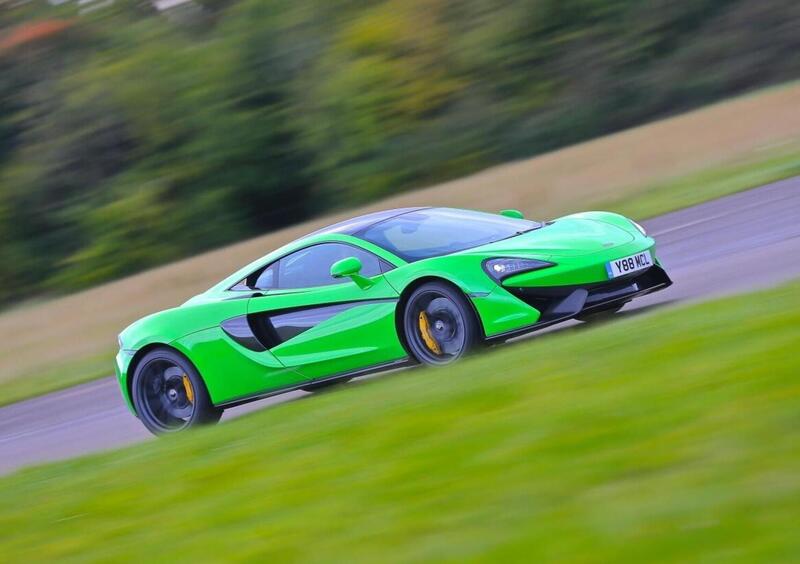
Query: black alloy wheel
(169, 395)
(439, 324)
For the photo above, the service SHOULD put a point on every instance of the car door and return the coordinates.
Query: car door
(322, 326)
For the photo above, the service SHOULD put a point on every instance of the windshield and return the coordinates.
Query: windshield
(440, 231)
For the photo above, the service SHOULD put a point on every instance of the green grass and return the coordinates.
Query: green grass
(668, 436)
(56, 378)
(722, 180)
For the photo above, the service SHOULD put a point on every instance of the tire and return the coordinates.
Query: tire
(599, 316)
(324, 385)
(439, 325)
(169, 395)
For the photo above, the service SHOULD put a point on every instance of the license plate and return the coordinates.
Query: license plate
(626, 265)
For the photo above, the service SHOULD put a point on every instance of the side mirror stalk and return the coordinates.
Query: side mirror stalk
(362, 281)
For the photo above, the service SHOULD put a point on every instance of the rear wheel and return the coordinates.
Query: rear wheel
(439, 324)
(169, 394)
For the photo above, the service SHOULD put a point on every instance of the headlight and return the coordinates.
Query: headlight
(501, 268)
(639, 227)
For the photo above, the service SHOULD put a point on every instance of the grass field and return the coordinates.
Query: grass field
(642, 172)
(667, 436)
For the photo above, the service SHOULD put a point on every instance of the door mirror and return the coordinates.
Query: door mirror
(345, 267)
(516, 214)
(351, 267)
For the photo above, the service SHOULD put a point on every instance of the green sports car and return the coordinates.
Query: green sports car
(373, 293)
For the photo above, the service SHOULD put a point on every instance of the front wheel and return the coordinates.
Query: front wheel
(439, 324)
(169, 394)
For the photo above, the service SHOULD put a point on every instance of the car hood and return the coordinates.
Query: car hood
(565, 237)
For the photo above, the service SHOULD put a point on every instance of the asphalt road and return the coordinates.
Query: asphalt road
(742, 242)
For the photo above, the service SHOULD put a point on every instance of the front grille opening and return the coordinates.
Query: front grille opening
(543, 298)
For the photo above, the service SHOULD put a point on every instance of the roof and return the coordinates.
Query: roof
(353, 225)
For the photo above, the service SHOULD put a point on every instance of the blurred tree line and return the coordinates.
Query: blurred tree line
(131, 136)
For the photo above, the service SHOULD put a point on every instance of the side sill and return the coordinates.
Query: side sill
(375, 369)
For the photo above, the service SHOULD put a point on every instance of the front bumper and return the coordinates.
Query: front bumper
(122, 364)
(560, 303)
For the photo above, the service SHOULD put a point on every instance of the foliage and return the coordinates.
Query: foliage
(129, 137)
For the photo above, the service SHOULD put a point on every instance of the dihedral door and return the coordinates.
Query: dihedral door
(332, 328)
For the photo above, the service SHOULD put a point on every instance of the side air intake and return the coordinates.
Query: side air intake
(238, 329)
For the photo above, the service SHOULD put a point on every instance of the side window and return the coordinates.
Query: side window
(267, 279)
(311, 266)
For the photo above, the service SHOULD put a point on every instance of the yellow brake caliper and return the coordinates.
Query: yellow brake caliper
(187, 385)
(425, 331)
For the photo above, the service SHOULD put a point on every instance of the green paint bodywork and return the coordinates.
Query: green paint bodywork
(366, 335)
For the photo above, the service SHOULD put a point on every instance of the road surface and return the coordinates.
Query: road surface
(742, 242)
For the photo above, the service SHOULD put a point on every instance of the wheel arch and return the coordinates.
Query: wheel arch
(406, 294)
(137, 359)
